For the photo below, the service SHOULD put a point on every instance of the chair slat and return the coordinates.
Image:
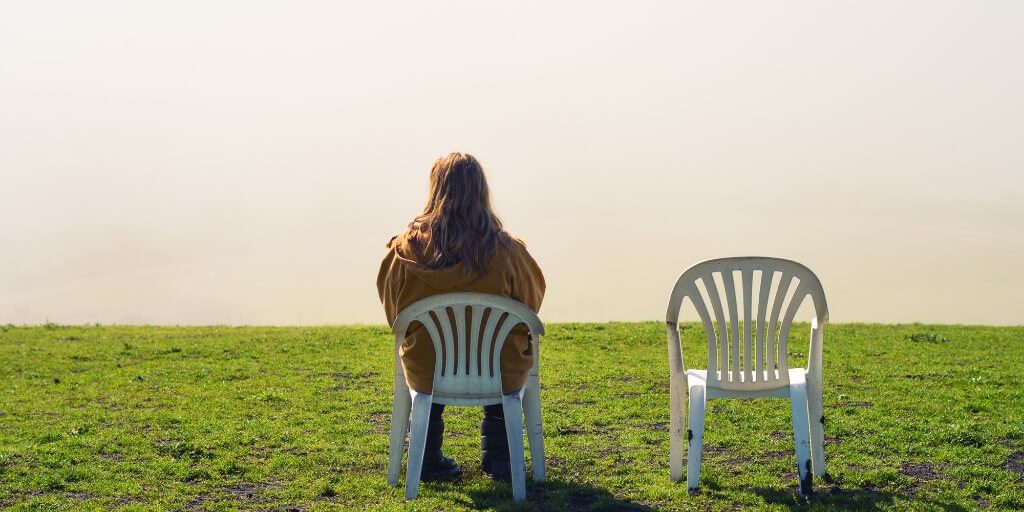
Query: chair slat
(460, 328)
(762, 309)
(439, 349)
(486, 346)
(506, 328)
(474, 342)
(723, 343)
(747, 285)
(709, 330)
(787, 321)
(451, 364)
(780, 295)
(734, 329)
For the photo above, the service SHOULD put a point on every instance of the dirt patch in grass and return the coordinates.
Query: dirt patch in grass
(125, 500)
(381, 422)
(554, 461)
(1015, 463)
(725, 455)
(75, 495)
(14, 499)
(661, 426)
(608, 451)
(921, 470)
(246, 493)
(354, 375)
(114, 456)
(851, 404)
(922, 473)
(298, 452)
(569, 431)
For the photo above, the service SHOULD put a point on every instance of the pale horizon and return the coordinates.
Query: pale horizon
(246, 162)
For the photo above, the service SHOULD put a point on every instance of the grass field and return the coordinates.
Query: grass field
(919, 417)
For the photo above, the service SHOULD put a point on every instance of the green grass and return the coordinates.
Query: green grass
(296, 418)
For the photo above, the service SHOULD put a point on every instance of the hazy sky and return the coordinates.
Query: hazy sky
(245, 162)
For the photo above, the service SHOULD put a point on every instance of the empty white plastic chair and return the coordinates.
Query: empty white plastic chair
(747, 354)
(467, 371)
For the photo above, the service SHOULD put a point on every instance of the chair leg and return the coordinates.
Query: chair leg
(512, 407)
(399, 427)
(698, 405)
(801, 436)
(417, 443)
(535, 428)
(817, 424)
(677, 432)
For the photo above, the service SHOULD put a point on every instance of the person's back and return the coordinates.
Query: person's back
(458, 244)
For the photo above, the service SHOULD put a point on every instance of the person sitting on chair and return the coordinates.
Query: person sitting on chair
(458, 245)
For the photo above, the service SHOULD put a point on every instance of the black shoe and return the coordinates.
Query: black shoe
(498, 469)
(439, 468)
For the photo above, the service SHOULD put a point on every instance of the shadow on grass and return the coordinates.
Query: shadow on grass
(846, 499)
(857, 499)
(552, 495)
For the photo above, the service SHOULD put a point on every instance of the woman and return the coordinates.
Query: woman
(458, 245)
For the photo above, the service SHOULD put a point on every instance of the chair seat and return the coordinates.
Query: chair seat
(759, 389)
(466, 399)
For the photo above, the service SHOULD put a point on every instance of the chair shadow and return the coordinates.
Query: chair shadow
(561, 495)
(855, 499)
(830, 495)
(552, 495)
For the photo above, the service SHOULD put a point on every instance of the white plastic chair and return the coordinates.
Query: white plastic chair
(467, 371)
(747, 355)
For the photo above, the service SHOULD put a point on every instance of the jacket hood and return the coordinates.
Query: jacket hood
(446, 278)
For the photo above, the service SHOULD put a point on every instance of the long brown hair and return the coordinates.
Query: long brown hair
(457, 225)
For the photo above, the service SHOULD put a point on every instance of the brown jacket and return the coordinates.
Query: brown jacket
(511, 272)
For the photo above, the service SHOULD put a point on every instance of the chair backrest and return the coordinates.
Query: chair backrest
(746, 352)
(468, 331)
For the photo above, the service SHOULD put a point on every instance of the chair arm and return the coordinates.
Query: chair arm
(535, 340)
(814, 353)
(677, 367)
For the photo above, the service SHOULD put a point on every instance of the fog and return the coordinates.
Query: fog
(245, 163)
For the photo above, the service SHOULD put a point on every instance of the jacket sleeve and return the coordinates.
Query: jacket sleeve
(387, 286)
(528, 283)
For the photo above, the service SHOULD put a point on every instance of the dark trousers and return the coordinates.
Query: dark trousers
(492, 433)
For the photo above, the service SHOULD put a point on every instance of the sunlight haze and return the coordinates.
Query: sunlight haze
(246, 162)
